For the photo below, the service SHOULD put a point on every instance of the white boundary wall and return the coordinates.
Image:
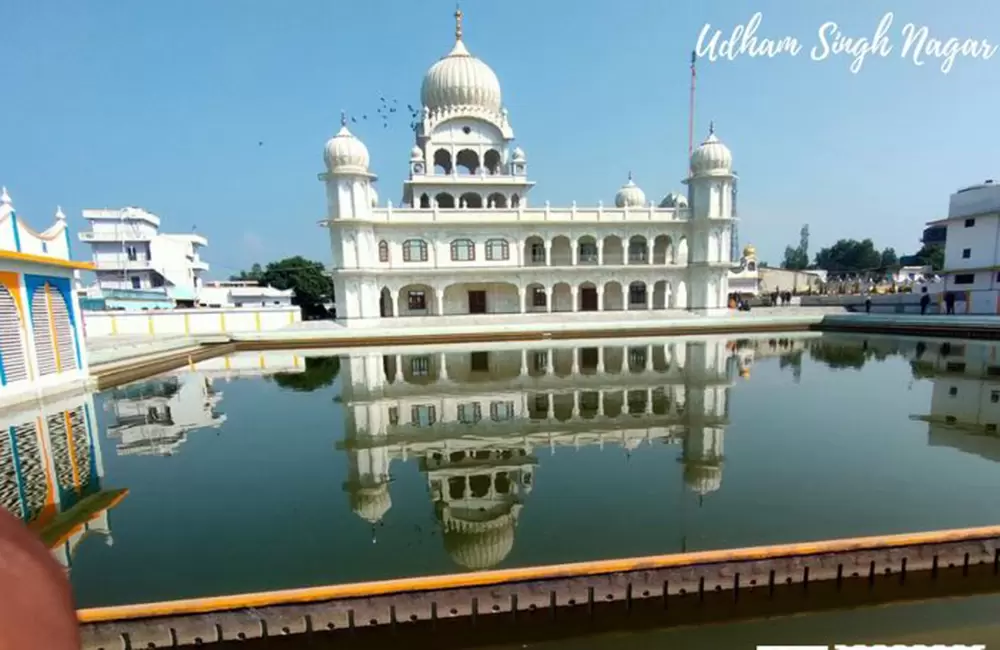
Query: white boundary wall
(966, 302)
(188, 322)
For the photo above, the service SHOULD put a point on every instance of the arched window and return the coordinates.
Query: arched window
(467, 161)
(383, 251)
(444, 200)
(497, 250)
(515, 201)
(12, 359)
(52, 330)
(496, 200)
(471, 200)
(463, 250)
(491, 160)
(414, 250)
(425, 201)
(442, 161)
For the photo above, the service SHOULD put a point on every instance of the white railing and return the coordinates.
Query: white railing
(547, 214)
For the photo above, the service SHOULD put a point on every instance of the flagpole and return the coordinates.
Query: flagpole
(694, 58)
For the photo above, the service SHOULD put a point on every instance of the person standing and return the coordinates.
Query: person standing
(949, 302)
(925, 300)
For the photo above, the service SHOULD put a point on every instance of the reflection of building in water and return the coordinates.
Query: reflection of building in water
(154, 417)
(965, 399)
(51, 471)
(250, 364)
(788, 349)
(475, 419)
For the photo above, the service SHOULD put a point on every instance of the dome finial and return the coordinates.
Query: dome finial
(458, 22)
(4, 197)
(343, 118)
(630, 176)
(711, 127)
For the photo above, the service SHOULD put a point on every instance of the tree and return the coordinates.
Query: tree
(794, 259)
(319, 372)
(797, 258)
(933, 255)
(889, 258)
(850, 256)
(255, 274)
(312, 285)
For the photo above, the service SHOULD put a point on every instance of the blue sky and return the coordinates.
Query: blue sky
(162, 104)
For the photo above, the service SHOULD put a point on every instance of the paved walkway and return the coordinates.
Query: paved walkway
(567, 320)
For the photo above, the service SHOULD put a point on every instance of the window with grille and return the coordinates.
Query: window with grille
(52, 331)
(637, 294)
(538, 252)
(393, 416)
(497, 250)
(383, 251)
(637, 251)
(463, 250)
(501, 411)
(424, 415)
(416, 300)
(414, 250)
(15, 366)
(420, 366)
(588, 253)
(470, 413)
(538, 297)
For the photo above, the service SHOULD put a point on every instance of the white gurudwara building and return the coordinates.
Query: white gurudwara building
(465, 241)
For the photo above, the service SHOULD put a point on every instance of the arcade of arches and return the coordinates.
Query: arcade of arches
(499, 297)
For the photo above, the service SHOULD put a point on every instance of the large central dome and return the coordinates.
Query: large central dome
(460, 80)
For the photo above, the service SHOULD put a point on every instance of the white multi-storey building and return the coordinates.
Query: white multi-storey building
(972, 249)
(243, 293)
(134, 261)
(465, 241)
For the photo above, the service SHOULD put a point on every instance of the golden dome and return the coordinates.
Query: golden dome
(749, 251)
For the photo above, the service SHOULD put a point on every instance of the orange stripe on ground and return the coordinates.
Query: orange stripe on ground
(556, 571)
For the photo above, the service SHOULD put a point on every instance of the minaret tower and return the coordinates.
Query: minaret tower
(710, 196)
(350, 197)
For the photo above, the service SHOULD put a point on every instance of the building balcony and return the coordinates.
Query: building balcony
(117, 235)
(199, 265)
(527, 216)
(124, 265)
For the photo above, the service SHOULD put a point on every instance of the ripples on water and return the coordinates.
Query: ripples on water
(283, 469)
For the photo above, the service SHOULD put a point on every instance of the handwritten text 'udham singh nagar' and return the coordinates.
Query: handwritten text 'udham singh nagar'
(913, 43)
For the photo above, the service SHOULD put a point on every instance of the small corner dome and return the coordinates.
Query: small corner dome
(518, 154)
(703, 479)
(345, 154)
(371, 504)
(674, 200)
(460, 80)
(630, 195)
(749, 251)
(416, 154)
(712, 156)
